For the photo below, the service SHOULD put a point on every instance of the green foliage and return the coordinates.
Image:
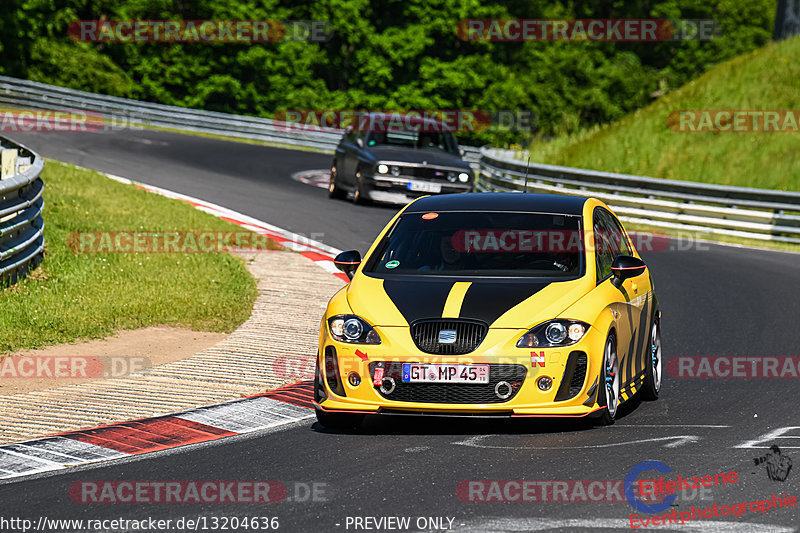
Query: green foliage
(384, 54)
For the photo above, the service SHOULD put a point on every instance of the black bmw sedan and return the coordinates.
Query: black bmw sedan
(396, 159)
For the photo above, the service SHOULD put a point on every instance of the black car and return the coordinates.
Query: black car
(379, 161)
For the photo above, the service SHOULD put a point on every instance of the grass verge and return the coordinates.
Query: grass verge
(643, 144)
(81, 296)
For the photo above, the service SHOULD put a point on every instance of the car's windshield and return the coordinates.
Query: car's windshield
(440, 141)
(482, 244)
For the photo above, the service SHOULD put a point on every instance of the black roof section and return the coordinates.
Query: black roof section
(501, 201)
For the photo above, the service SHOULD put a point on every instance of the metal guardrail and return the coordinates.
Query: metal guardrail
(699, 207)
(33, 95)
(759, 214)
(21, 204)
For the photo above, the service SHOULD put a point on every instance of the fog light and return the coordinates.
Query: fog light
(545, 383)
(383, 169)
(354, 379)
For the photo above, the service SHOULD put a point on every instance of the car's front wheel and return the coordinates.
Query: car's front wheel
(359, 197)
(339, 420)
(334, 191)
(609, 378)
(653, 364)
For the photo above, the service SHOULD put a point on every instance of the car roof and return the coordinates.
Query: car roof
(500, 201)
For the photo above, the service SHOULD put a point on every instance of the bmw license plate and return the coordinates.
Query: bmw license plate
(440, 373)
(424, 186)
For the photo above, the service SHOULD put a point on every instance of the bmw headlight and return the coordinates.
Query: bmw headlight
(554, 333)
(463, 177)
(352, 329)
(383, 169)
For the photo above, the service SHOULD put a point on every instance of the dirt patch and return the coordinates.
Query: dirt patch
(112, 357)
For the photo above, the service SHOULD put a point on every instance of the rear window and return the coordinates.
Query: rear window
(482, 244)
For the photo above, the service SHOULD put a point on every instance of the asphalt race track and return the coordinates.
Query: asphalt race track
(716, 300)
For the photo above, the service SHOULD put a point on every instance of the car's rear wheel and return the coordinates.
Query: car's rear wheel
(653, 365)
(609, 378)
(334, 191)
(339, 420)
(358, 190)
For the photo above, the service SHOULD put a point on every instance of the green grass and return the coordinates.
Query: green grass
(642, 144)
(80, 296)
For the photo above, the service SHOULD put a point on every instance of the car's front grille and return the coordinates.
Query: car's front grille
(393, 388)
(429, 173)
(427, 335)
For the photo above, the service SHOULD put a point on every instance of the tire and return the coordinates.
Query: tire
(334, 191)
(339, 420)
(358, 192)
(609, 379)
(653, 364)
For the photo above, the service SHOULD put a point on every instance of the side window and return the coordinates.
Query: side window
(616, 233)
(604, 250)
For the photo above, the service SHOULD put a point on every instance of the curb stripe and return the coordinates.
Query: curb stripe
(272, 409)
(150, 435)
(263, 411)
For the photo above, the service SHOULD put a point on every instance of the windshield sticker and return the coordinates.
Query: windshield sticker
(429, 216)
(393, 264)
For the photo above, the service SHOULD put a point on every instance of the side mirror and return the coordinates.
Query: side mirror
(626, 266)
(348, 262)
(360, 142)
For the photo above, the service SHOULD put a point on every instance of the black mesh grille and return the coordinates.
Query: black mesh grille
(578, 376)
(332, 371)
(454, 393)
(469, 335)
(429, 173)
(574, 376)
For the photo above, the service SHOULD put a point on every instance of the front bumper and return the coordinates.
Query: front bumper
(394, 189)
(574, 372)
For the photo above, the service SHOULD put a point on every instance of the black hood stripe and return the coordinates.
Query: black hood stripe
(488, 301)
(418, 299)
(484, 300)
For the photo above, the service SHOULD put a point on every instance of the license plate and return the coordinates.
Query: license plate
(424, 186)
(440, 373)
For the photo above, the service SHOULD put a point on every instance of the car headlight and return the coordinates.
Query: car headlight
(554, 333)
(395, 170)
(463, 177)
(383, 169)
(353, 329)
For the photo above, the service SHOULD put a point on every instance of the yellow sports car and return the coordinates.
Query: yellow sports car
(493, 304)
